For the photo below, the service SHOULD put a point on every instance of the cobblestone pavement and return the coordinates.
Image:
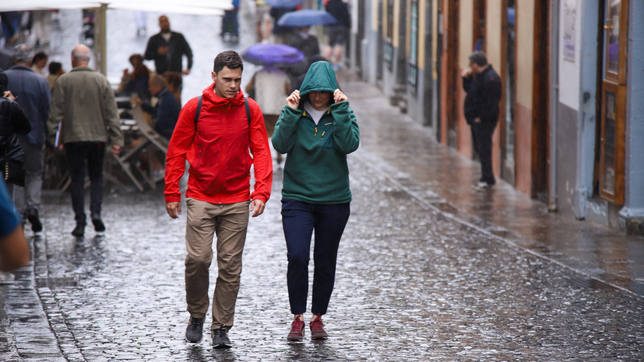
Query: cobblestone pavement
(413, 283)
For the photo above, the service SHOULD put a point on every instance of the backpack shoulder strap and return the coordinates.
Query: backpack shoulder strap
(247, 110)
(198, 112)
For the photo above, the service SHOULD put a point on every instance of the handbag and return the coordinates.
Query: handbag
(12, 165)
(13, 171)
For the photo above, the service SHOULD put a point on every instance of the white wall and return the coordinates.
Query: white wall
(569, 69)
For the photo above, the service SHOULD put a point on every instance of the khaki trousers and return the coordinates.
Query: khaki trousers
(229, 222)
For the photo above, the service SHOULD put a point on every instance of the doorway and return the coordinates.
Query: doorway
(609, 167)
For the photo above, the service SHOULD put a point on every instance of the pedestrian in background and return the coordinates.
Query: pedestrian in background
(32, 94)
(39, 63)
(230, 24)
(268, 87)
(55, 71)
(166, 111)
(13, 123)
(214, 134)
(167, 49)
(483, 87)
(337, 34)
(317, 129)
(84, 106)
(136, 81)
(14, 250)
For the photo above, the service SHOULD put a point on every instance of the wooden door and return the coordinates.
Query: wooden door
(613, 102)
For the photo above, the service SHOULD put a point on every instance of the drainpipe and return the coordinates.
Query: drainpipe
(554, 100)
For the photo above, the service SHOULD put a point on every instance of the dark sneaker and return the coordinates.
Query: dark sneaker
(79, 230)
(220, 338)
(32, 216)
(99, 227)
(297, 330)
(317, 329)
(194, 331)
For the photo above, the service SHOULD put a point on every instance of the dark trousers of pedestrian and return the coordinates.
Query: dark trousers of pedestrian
(300, 220)
(230, 23)
(482, 138)
(34, 164)
(86, 157)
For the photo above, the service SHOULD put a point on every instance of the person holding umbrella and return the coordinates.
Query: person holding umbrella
(317, 129)
(269, 85)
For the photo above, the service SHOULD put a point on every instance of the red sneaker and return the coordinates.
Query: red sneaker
(317, 329)
(297, 330)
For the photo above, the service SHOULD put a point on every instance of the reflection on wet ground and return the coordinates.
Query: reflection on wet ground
(406, 151)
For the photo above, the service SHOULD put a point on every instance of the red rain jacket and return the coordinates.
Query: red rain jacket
(218, 152)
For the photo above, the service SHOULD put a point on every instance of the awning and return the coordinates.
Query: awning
(198, 7)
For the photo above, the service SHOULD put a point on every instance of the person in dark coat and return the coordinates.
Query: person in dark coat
(167, 49)
(338, 33)
(32, 94)
(305, 42)
(483, 87)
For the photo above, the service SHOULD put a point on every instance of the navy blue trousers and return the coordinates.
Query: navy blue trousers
(299, 220)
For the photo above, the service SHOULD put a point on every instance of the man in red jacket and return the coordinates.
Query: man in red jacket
(214, 133)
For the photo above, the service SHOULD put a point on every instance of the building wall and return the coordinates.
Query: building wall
(634, 193)
(418, 97)
(525, 11)
(493, 49)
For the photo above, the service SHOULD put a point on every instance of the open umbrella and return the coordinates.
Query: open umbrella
(286, 4)
(306, 17)
(272, 54)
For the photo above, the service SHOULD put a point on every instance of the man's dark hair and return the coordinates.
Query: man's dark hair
(55, 67)
(38, 57)
(228, 58)
(478, 58)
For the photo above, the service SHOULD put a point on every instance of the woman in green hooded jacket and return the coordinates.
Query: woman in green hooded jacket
(316, 129)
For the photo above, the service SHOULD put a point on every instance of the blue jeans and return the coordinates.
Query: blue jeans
(299, 219)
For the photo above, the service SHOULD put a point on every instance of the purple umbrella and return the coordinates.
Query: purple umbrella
(306, 17)
(285, 4)
(272, 54)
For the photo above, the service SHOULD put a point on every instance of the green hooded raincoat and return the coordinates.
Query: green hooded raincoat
(316, 167)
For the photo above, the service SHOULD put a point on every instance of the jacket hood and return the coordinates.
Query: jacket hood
(211, 98)
(319, 77)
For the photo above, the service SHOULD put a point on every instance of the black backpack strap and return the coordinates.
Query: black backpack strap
(247, 110)
(197, 112)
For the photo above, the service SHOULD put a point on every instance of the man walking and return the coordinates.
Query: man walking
(167, 48)
(214, 133)
(32, 94)
(84, 106)
(483, 87)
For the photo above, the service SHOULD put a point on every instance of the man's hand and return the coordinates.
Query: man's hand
(466, 73)
(477, 120)
(116, 149)
(163, 50)
(186, 72)
(293, 100)
(9, 95)
(338, 96)
(257, 207)
(173, 209)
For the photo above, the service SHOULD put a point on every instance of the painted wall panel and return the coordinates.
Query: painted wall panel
(570, 26)
(465, 33)
(525, 51)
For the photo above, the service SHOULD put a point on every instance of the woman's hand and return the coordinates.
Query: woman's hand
(293, 100)
(338, 96)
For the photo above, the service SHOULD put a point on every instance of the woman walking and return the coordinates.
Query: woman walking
(317, 130)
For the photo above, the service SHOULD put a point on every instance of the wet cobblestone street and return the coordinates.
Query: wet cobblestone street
(413, 283)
